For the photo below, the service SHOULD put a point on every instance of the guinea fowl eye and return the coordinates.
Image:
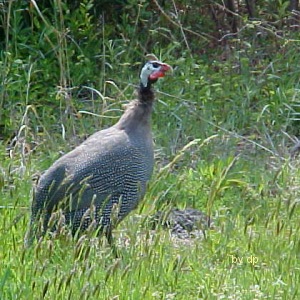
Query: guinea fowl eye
(155, 65)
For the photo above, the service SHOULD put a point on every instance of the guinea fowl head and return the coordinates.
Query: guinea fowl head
(151, 71)
(138, 112)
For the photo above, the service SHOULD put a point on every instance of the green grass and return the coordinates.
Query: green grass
(222, 128)
(252, 251)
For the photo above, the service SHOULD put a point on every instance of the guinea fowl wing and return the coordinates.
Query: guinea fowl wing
(99, 168)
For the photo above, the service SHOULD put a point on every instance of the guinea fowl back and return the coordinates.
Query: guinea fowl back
(112, 167)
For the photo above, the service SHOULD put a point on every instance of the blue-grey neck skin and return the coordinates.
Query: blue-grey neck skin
(147, 70)
(144, 80)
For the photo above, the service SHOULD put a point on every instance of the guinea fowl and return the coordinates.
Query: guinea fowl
(109, 169)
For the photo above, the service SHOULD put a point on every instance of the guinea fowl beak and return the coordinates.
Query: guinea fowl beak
(161, 72)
